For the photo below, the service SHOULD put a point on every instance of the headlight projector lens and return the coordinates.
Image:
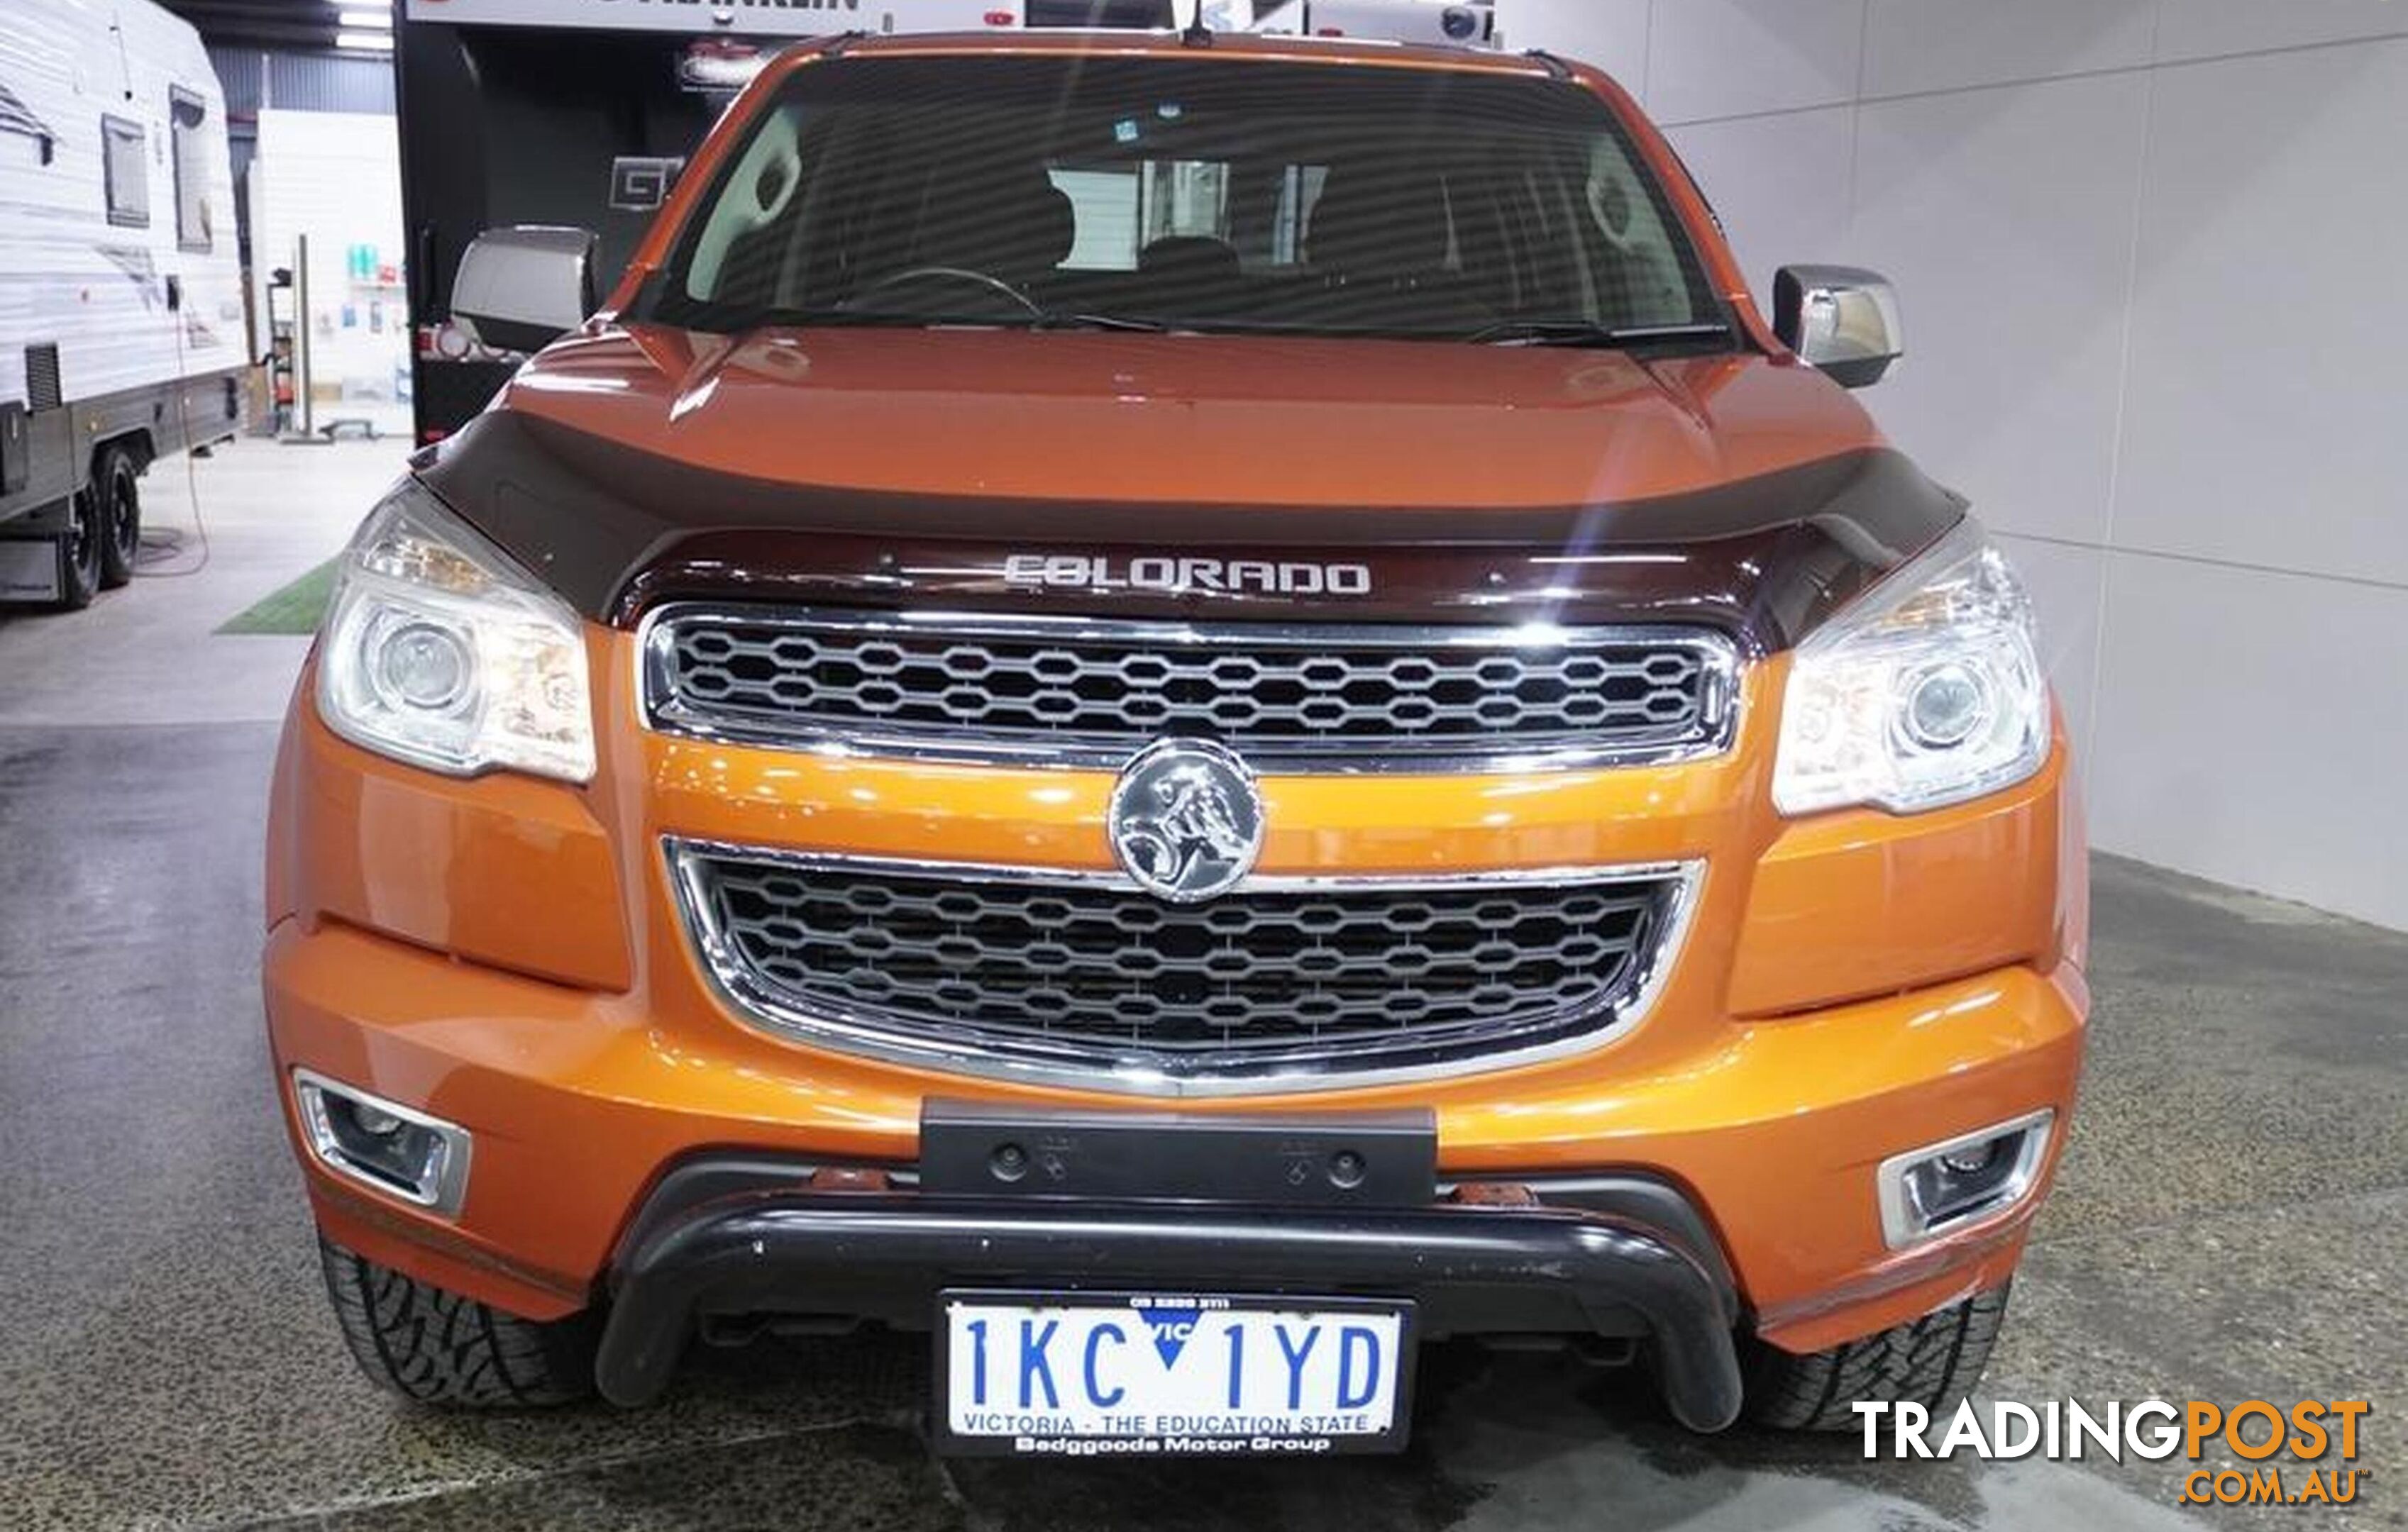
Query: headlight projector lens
(1946, 708)
(425, 666)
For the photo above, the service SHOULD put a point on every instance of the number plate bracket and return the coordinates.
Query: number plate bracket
(1329, 1160)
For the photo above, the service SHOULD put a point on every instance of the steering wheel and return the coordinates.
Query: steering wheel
(986, 286)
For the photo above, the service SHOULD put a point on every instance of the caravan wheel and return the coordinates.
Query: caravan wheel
(118, 489)
(79, 553)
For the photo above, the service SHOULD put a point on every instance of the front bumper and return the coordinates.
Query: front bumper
(582, 1105)
(887, 1255)
(504, 953)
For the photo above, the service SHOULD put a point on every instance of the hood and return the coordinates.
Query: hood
(1478, 484)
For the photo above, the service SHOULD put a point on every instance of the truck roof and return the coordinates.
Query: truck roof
(1110, 43)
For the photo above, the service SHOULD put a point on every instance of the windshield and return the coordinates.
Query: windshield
(1233, 195)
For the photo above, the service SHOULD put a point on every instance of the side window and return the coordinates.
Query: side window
(1106, 201)
(126, 172)
(1123, 207)
(1299, 193)
(186, 115)
(1186, 199)
(741, 250)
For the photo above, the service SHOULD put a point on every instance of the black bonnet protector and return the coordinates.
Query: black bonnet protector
(616, 531)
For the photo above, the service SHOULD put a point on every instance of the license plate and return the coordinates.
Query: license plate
(1091, 1375)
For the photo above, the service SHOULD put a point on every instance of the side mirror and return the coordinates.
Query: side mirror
(520, 288)
(1840, 320)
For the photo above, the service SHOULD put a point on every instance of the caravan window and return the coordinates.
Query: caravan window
(186, 115)
(128, 177)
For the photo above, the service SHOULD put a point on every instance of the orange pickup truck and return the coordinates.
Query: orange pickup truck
(1189, 709)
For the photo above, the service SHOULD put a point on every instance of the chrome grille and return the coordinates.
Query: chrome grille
(996, 970)
(1094, 692)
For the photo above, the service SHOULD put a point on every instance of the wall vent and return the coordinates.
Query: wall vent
(42, 377)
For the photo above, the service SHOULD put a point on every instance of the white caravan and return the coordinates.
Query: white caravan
(1469, 26)
(756, 18)
(121, 334)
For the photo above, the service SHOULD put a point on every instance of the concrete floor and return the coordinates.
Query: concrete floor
(2230, 1224)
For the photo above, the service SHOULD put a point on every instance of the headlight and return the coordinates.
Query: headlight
(1926, 692)
(439, 651)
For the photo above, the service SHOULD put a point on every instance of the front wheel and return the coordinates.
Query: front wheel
(439, 1348)
(1932, 1362)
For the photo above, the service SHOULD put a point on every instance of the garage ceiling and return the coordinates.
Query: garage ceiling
(267, 23)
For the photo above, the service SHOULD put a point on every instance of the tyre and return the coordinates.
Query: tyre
(435, 1347)
(78, 548)
(1933, 1362)
(116, 486)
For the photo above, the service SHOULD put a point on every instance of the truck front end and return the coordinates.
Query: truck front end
(1186, 824)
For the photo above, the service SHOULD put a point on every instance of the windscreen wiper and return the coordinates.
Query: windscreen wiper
(1580, 332)
(841, 317)
(1052, 320)
(741, 321)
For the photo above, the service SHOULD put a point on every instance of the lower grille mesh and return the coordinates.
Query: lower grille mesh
(1097, 975)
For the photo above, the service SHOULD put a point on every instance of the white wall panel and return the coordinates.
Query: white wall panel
(2149, 252)
(1912, 46)
(1610, 33)
(1779, 183)
(2301, 800)
(2005, 218)
(2262, 426)
(2067, 587)
(1730, 58)
(2195, 29)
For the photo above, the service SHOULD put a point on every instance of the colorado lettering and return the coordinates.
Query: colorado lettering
(1181, 574)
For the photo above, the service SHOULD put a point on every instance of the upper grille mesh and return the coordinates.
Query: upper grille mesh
(1106, 689)
(1102, 976)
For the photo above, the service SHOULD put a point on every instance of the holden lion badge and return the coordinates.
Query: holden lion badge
(1186, 820)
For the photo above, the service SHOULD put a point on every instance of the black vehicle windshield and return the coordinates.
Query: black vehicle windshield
(1190, 195)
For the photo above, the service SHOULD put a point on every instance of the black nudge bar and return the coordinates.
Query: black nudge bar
(1120, 1201)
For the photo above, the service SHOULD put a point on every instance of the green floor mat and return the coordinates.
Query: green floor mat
(295, 608)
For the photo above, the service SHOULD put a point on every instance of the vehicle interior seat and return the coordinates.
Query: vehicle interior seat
(1005, 220)
(1182, 271)
(1387, 228)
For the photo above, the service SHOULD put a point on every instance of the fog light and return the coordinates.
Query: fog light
(1968, 1162)
(405, 1153)
(1938, 1189)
